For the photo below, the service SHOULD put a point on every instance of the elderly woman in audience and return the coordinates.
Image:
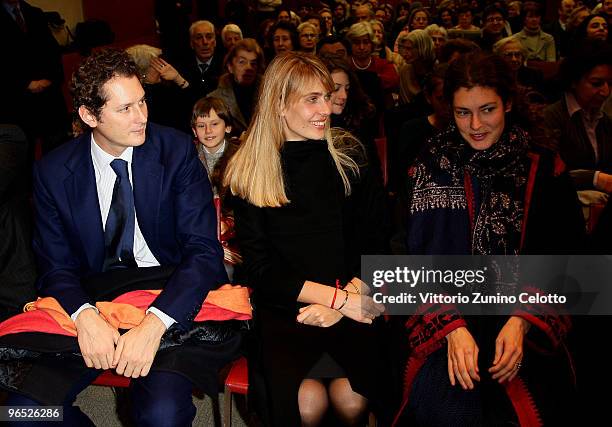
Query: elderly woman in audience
(283, 38)
(309, 36)
(475, 189)
(419, 19)
(361, 38)
(514, 53)
(230, 35)
(417, 49)
(237, 87)
(438, 35)
(168, 98)
(577, 123)
(380, 45)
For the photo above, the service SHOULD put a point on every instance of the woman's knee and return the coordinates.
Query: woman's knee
(313, 402)
(349, 405)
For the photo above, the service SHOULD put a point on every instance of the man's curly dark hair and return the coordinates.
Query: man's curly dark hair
(88, 80)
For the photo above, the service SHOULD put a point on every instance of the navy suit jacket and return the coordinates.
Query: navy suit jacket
(173, 202)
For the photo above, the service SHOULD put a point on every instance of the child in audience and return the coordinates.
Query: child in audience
(211, 123)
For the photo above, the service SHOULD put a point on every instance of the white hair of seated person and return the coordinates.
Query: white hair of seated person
(231, 28)
(142, 55)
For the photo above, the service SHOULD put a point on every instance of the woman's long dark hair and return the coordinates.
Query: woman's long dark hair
(358, 107)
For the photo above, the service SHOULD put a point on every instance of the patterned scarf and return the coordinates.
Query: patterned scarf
(451, 178)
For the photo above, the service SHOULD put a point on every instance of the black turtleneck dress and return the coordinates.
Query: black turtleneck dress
(311, 238)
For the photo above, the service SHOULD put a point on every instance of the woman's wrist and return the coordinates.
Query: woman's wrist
(523, 324)
(352, 287)
(181, 82)
(343, 303)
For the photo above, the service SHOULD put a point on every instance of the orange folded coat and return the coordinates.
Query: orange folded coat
(229, 302)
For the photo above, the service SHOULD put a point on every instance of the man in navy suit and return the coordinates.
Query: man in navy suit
(173, 223)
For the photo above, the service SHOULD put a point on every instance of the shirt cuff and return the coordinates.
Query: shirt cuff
(74, 315)
(166, 320)
(595, 178)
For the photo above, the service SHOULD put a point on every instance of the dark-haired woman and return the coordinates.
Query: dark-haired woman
(351, 108)
(594, 27)
(472, 191)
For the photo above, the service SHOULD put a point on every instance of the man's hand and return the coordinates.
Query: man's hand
(318, 315)
(462, 358)
(136, 348)
(96, 338)
(37, 86)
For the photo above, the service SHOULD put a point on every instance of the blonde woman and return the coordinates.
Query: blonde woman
(317, 345)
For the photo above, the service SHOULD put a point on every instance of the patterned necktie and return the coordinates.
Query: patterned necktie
(19, 19)
(120, 223)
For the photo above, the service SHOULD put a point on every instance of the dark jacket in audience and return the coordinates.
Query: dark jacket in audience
(574, 145)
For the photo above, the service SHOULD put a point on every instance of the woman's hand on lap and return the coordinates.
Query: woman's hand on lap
(361, 308)
(318, 315)
(462, 358)
(509, 349)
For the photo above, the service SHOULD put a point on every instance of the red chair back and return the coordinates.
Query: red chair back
(381, 148)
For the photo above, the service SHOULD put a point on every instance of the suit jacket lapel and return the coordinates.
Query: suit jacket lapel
(148, 173)
(82, 196)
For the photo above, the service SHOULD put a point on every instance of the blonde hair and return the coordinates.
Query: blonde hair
(231, 28)
(255, 172)
(501, 44)
(306, 25)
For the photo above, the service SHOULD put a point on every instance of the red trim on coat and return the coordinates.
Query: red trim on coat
(522, 401)
(533, 169)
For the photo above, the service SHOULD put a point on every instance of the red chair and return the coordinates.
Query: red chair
(381, 148)
(109, 378)
(237, 381)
